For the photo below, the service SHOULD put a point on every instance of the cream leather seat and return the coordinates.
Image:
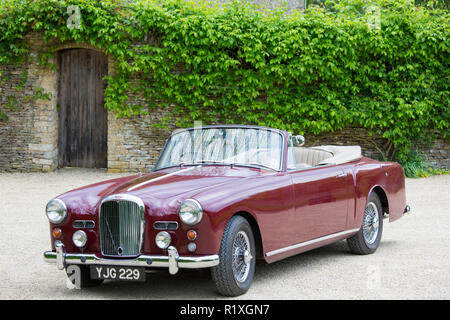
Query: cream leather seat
(305, 157)
(324, 155)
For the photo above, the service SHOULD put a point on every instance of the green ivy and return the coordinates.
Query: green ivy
(380, 64)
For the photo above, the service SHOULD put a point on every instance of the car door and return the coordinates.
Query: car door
(321, 199)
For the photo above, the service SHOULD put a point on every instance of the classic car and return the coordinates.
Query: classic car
(221, 197)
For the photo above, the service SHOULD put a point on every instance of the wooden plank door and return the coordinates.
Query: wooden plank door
(82, 116)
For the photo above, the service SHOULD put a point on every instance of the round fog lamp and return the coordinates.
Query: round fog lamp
(192, 247)
(79, 238)
(163, 240)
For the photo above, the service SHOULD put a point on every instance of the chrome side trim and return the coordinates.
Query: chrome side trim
(306, 243)
(160, 178)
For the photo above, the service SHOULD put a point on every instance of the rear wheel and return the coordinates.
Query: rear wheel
(234, 274)
(368, 238)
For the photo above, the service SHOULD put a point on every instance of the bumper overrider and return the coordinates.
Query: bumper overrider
(172, 261)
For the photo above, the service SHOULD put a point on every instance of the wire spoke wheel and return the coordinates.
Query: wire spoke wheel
(241, 256)
(234, 273)
(368, 238)
(371, 223)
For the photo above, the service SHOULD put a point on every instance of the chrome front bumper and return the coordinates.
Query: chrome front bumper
(172, 261)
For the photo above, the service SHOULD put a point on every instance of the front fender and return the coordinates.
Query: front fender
(269, 199)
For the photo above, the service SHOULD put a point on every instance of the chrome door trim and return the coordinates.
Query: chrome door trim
(306, 243)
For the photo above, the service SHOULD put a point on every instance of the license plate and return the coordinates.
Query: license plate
(118, 273)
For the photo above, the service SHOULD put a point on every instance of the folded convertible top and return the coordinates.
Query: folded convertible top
(341, 154)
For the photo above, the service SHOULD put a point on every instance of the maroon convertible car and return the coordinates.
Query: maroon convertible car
(220, 197)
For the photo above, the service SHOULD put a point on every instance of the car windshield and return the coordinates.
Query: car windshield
(253, 147)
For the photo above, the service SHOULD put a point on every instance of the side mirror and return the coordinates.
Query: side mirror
(298, 140)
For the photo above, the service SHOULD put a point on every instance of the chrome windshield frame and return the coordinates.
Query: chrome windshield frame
(280, 132)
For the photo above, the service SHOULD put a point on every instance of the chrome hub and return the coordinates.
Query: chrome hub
(241, 257)
(371, 223)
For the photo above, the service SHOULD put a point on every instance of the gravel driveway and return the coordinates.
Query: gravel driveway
(412, 262)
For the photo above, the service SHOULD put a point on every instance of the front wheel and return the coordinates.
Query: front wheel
(234, 274)
(368, 238)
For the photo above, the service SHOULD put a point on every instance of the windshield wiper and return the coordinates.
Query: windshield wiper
(252, 164)
(211, 161)
(202, 162)
(242, 164)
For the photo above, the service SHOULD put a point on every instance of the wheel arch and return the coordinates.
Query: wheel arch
(256, 232)
(379, 191)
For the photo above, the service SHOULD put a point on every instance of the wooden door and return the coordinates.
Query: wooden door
(82, 116)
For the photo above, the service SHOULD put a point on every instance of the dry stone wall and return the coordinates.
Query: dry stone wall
(29, 137)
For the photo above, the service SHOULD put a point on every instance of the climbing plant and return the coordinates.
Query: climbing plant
(380, 64)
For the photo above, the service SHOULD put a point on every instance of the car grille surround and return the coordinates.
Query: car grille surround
(121, 226)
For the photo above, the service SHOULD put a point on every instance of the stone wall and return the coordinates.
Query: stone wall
(133, 143)
(29, 138)
(376, 147)
(438, 154)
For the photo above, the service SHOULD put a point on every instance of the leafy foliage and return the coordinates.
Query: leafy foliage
(381, 64)
(416, 167)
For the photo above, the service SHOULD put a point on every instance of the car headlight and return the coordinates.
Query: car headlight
(79, 238)
(56, 211)
(190, 212)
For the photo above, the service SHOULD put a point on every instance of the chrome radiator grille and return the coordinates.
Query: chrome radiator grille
(121, 223)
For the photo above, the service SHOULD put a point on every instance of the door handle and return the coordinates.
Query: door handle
(342, 175)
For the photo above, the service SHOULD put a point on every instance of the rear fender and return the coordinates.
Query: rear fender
(395, 191)
(384, 177)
